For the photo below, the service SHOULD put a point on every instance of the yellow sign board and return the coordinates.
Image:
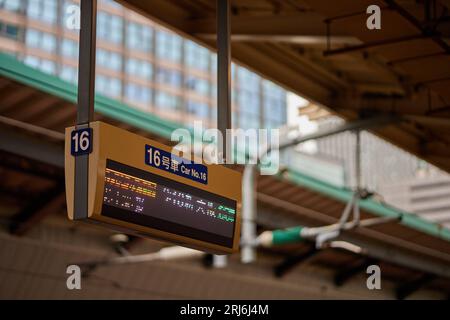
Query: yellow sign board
(136, 185)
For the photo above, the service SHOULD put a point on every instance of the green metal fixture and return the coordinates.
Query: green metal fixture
(285, 236)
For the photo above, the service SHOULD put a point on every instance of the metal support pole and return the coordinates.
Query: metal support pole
(86, 93)
(358, 160)
(356, 213)
(219, 261)
(248, 251)
(223, 73)
(249, 209)
(223, 89)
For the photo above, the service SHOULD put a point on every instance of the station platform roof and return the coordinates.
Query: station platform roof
(36, 107)
(323, 51)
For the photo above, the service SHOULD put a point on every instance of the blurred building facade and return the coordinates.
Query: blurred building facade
(138, 62)
(400, 178)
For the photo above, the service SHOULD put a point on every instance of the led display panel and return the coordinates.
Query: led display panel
(140, 186)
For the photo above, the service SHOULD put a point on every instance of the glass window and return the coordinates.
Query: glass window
(12, 31)
(102, 25)
(48, 42)
(109, 27)
(167, 101)
(47, 66)
(131, 92)
(115, 32)
(9, 30)
(138, 93)
(69, 48)
(111, 87)
(10, 5)
(168, 76)
(109, 59)
(44, 65)
(139, 37)
(132, 39)
(32, 61)
(249, 101)
(34, 9)
(214, 63)
(275, 105)
(101, 84)
(248, 121)
(199, 85)
(49, 8)
(247, 79)
(32, 38)
(115, 87)
(140, 68)
(201, 110)
(168, 46)
(132, 66)
(115, 61)
(43, 10)
(41, 40)
(69, 74)
(196, 56)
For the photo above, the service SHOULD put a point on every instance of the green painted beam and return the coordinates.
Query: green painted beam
(344, 195)
(18, 71)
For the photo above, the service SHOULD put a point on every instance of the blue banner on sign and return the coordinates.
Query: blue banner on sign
(166, 161)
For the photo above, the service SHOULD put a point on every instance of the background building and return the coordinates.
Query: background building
(138, 62)
(396, 176)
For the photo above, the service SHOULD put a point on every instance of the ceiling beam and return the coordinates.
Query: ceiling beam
(352, 269)
(30, 167)
(408, 288)
(301, 28)
(414, 107)
(368, 45)
(51, 201)
(34, 104)
(304, 40)
(292, 261)
(13, 95)
(418, 24)
(288, 73)
(31, 147)
(167, 13)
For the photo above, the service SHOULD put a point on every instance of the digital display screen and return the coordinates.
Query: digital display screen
(150, 200)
